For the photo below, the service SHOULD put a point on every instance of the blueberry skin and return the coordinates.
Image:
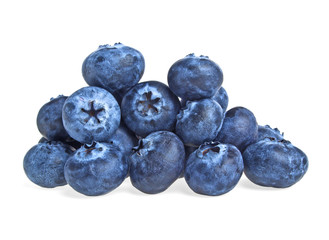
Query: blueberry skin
(188, 151)
(199, 122)
(125, 140)
(49, 120)
(157, 162)
(268, 132)
(214, 168)
(273, 163)
(194, 78)
(91, 114)
(149, 107)
(71, 142)
(96, 169)
(239, 128)
(113, 68)
(44, 163)
(220, 96)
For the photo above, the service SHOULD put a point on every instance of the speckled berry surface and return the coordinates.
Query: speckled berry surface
(148, 107)
(157, 162)
(195, 77)
(96, 169)
(91, 114)
(115, 68)
(274, 163)
(239, 128)
(49, 120)
(199, 122)
(214, 168)
(44, 163)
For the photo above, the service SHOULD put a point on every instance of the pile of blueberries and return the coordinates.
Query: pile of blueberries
(117, 128)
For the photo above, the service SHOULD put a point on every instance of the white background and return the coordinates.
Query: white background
(275, 59)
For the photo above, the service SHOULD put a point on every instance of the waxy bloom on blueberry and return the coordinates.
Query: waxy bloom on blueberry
(91, 114)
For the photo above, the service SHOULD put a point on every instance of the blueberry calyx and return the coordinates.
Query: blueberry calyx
(144, 106)
(280, 141)
(137, 148)
(89, 147)
(142, 147)
(208, 147)
(92, 112)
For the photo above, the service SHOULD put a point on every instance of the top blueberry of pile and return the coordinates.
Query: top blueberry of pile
(153, 133)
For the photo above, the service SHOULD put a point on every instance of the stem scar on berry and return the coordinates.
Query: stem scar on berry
(92, 112)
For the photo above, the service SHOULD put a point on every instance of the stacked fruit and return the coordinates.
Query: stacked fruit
(118, 128)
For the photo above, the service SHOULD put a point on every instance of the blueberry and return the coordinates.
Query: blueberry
(214, 168)
(239, 128)
(49, 120)
(91, 114)
(274, 163)
(124, 139)
(114, 68)
(44, 163)
(149, 107)
(199, 121)
(96, 169)
(194, 78)
(268, 132)
(70, 141)
(188, 151)
(220, 96)
(157, 162)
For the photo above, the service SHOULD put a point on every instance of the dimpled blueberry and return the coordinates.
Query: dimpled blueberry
(149, 107)
(239, 128)
(214, 168)
(194, 78)
(157, 162)
(199, 122)
(44, 163)
(96, 169)
(274, 163)
(49, 120)
(268, 132)
(114, 68)
(91, 114)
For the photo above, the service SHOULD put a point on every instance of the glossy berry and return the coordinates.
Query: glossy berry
(193, 78)
(157, 162)
(199, 122)
(149, 107)
(214, 168)
(49, 120)
(239, 128)
(114, 68)
(44, 163)
(91, 114)
(274, 163)
(96, 169)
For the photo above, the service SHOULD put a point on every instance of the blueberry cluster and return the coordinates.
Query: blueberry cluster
(153, 133)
